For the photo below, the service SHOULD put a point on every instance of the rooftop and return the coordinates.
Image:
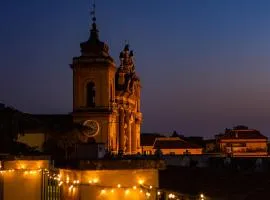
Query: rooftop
(173, 143)
(243, 134)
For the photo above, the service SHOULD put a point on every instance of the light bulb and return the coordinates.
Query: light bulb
(103, 191)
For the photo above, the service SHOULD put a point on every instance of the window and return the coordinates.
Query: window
(148, 152)
(91, 94)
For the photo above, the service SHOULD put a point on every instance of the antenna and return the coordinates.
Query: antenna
(93, 12)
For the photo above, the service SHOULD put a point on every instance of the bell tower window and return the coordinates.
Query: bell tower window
(90, 94)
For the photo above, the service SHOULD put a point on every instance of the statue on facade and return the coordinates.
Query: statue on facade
(126, 78)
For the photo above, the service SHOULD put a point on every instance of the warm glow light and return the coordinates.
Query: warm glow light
(150, 187)
(31, 172)
(202, 196)
(148, 194)
(95, 180)
(112, 190)
(127, 191)
(134, 187)
(141, 181)
(70, 187)
(103, 191)
(118, 185)
(141, 191)
(158, 193)
(171, 196)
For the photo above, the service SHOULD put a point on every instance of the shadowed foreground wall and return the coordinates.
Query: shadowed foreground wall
(22, 179)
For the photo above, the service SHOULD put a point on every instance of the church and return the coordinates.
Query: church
(106, 103)
(106, 98)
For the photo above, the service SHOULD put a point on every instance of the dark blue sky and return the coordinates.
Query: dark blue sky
(204, 64)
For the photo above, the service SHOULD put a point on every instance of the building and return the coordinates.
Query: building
(243, 142)
(26, 178)
(147, 141)
(151, 143)
(35, 178)
(106, 102)
(106, 99)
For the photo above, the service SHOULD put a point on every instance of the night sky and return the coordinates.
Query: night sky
(204, 64)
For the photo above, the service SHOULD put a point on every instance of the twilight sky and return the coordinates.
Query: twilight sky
(204, 64)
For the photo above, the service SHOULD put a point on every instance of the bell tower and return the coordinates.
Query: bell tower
(94, 87)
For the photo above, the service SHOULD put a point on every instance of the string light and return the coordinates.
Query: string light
(70, 187)
(141, 181)
(72, 184)
(202, 197)
(171, 196)
(103, 191)
(61, 182)
(127, 191)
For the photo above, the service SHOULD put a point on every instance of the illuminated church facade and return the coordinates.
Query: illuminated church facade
(106, 98)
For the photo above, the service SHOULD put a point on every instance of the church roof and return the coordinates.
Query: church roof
(93, 46)
(243, 134)
(93, 50)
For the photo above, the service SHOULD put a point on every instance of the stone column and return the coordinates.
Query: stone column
(128, 122)
(138, 134)
(133, 138)
(121, 130)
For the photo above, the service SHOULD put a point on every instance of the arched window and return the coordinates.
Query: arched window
(90, 94)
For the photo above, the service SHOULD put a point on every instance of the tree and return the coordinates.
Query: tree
(65, 140)
(12, 124)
